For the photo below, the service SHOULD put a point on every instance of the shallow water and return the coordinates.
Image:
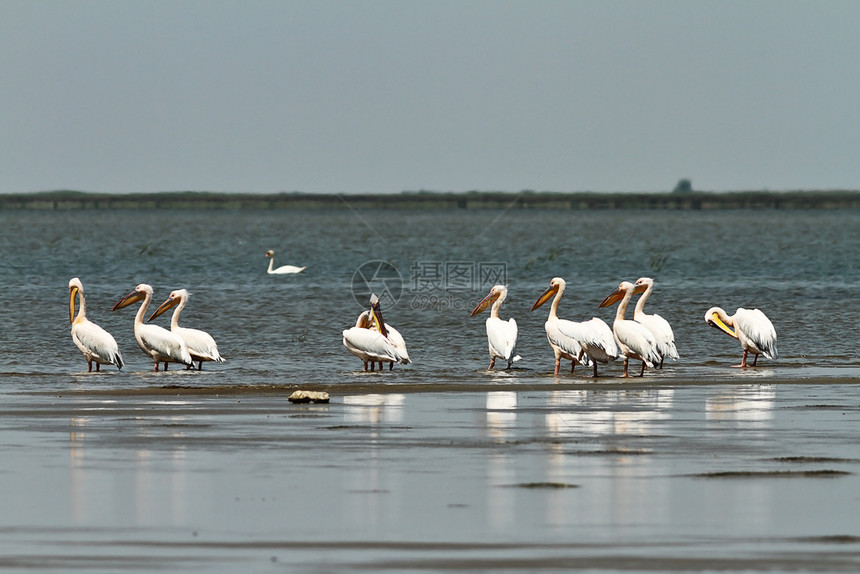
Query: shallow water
(440, 465)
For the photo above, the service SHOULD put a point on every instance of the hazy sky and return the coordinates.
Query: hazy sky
(386, 96)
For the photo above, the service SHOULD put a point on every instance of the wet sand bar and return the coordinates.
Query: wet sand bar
(71, 200)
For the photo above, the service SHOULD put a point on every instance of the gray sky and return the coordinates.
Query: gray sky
(386, 96)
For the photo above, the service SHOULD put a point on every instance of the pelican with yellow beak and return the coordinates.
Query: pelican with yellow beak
(634, 340)
(97, 345)
(201, 345)
(160, 344)
(372, 341)
(749, 326)
(501, 335)
(588, 342)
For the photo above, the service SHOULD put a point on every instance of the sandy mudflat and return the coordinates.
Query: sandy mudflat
(676, 475)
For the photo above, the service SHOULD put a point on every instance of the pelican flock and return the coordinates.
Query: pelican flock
(589, 342)
(648, 338)
(97, 345)
(159, 343)
(283, 269)
(201, 345)
(749, 326)
(501, 335)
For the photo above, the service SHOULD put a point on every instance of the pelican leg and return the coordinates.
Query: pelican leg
(572, 365)
(626, 360)
(365, 365)
(755, 359)
(380, 365)
(390, 366)
(595, 369)
(372, 366)
(99, 367)
(557, 365)
(642, 372)
(492, 362)
(89, 366)
(165, 365)
(156, 366)
(743, 364)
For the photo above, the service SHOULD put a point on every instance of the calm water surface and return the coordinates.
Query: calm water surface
(441, 465)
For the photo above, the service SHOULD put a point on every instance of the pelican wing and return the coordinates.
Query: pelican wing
(96, 343)
(399, 343)
(662, 332)
(636, 338)
(502, 337)
(758, 329)
(370, 344)
(201, 345)
(163, 344)
(566, 335)
(598, 340)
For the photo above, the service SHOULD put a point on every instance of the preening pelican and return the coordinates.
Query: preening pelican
(501, 335)
(634, 340)
(751, 327)
(658, 326)
(282, 270)
(160, 344)
(97, 345)
(201, 345)
(372, 341)
(588, 342)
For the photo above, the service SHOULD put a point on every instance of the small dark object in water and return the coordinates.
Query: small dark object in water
(545, 485)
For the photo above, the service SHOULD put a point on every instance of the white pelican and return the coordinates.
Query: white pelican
(501, 335)
(283, 269)
(201, 345)
(634, 340)
(658, 326)
(372, 341)
(751, 327)
(160, 344)
(97, 345)
(587, 342)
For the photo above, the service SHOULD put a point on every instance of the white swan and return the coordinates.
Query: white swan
(282, 270)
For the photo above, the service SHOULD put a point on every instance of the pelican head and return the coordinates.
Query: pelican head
(496, 293)
(556, 285)
(623, 288)
(75, 287)
(717, 318)
(174, 299)
(139, 294)
(642, 284)
(376, 315)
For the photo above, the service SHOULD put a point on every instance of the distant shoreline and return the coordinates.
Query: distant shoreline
(693, 200)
